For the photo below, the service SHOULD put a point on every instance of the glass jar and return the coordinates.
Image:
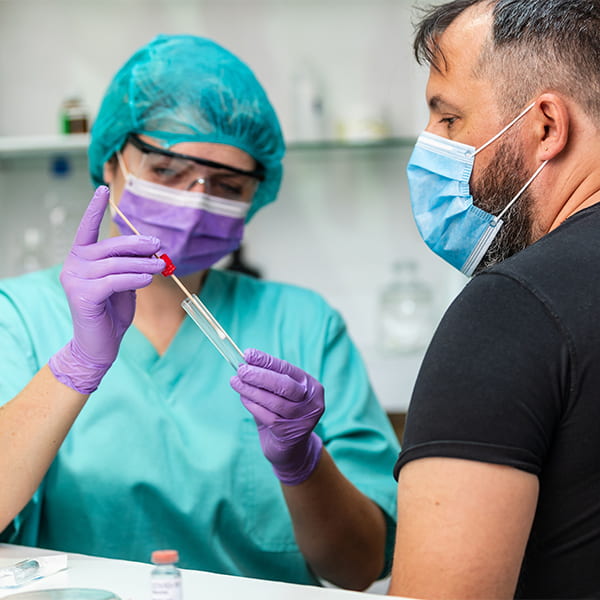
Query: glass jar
(405, 311)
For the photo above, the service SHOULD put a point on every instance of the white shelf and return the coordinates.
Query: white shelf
(41, 145)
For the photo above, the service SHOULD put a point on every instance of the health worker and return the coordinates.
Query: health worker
(122, 432)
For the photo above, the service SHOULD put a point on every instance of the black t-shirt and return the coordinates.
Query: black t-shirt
(512, 376)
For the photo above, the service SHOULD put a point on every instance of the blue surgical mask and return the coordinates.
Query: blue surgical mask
(455, 229)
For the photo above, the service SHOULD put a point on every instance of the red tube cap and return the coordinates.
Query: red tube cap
(170, 268)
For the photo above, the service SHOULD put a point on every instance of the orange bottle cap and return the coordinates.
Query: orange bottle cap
(163, 557)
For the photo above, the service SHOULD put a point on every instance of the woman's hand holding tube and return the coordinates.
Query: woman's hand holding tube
(100, 279)
(286, 403)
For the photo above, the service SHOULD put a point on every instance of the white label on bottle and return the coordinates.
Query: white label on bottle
(166, 588)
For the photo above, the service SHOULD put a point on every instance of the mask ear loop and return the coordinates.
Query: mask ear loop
(530, 180)
(125, 173)
(520, 192)
(494, 226)
(503, 131)
(124, 170)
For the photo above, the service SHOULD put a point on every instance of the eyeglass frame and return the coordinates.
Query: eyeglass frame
(258, 173)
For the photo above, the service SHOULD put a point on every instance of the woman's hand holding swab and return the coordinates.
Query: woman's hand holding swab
(100, 279)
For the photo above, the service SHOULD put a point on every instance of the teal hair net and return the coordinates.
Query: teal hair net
(184, 88)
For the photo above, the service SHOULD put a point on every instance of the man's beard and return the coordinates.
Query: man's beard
(497, 185)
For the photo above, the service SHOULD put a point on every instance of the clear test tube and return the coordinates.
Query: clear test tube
(211, 328)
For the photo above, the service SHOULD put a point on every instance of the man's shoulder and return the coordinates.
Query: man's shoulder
(565, 252)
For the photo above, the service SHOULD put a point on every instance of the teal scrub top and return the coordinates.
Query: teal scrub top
(164, 455)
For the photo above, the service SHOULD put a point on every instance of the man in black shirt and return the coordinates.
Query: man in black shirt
(499, 476)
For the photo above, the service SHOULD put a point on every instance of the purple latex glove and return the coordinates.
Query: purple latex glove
(286, 404)
(99, 279)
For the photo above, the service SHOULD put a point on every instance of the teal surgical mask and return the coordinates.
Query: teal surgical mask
(451, 225)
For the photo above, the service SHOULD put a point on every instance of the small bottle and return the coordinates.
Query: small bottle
(165, 577)
(405, 311)
(73, 116)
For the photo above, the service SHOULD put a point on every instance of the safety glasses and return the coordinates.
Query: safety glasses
(187, 172)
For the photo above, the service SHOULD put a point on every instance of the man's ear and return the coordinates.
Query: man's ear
(552, 125)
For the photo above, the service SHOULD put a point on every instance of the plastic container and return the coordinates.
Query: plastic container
(211, 328)
(360, 124)
(308, 105)
(165, 577)
(405, 311)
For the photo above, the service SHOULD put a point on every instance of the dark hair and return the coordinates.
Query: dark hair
(535, 46)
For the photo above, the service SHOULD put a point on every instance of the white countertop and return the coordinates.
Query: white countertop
(131, 580)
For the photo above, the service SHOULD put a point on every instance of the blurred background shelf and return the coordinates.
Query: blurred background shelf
(41, 145)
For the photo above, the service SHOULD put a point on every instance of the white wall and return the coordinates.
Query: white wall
(343, 215)
(360, 48)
